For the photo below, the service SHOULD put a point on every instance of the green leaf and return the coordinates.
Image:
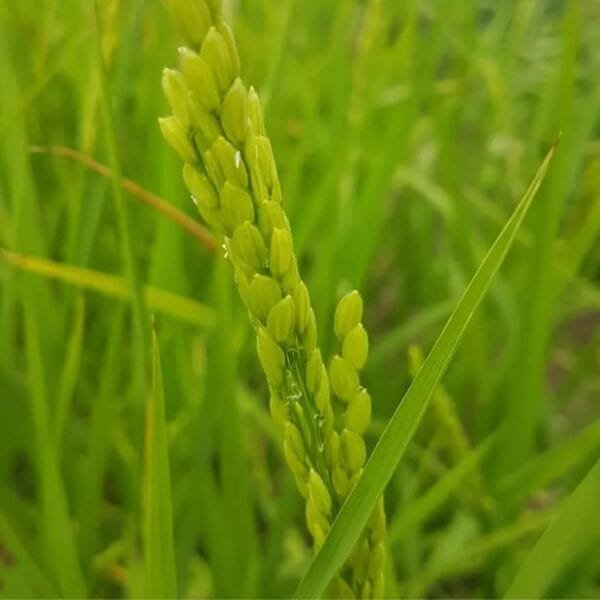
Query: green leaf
(390, 448)
(20, 576)
(159, 554)
(549, 466)
(105, 407)
(401, 335)
(575, 530)
(139, 308)
(472, 556)
(71, 368)
(174, 305)
(426, 505)
(58, 535)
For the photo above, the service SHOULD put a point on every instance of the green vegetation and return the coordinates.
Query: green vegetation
(138, 457)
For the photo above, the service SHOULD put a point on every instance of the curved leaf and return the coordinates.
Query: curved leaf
(392, 444)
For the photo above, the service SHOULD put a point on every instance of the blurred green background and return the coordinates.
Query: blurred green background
(404, 132)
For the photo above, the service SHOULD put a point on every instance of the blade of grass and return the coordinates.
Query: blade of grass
(232, 539)
(234, 475)
(578, 246)
(71, 367)
(549, 466)
(473, 555)
(560, 109)
(171, 304)
(279, 47)
(24, 101)
(25, 229)
(433, 194)
(58, 537)
(139, 309)
(399, 337)
(424, 506)
(19, 574)
(104, 410)
(387, 453)
(574, 529)
(159, 554)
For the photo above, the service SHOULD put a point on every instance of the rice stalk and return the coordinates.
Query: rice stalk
(218, 130)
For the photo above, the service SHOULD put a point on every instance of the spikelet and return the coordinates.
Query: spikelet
(368, 557)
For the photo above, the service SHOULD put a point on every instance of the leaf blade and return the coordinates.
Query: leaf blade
(28, 579)
(426, 505)
(158, 299)
(392, 444)
(159, 552)
(565, 538)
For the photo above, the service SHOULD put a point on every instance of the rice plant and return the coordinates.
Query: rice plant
(191, 405)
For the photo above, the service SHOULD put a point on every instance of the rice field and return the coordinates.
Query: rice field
(441, 158)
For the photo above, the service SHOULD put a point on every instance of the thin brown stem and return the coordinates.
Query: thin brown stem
(193, 228)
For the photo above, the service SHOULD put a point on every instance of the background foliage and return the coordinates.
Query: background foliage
(404, 132)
